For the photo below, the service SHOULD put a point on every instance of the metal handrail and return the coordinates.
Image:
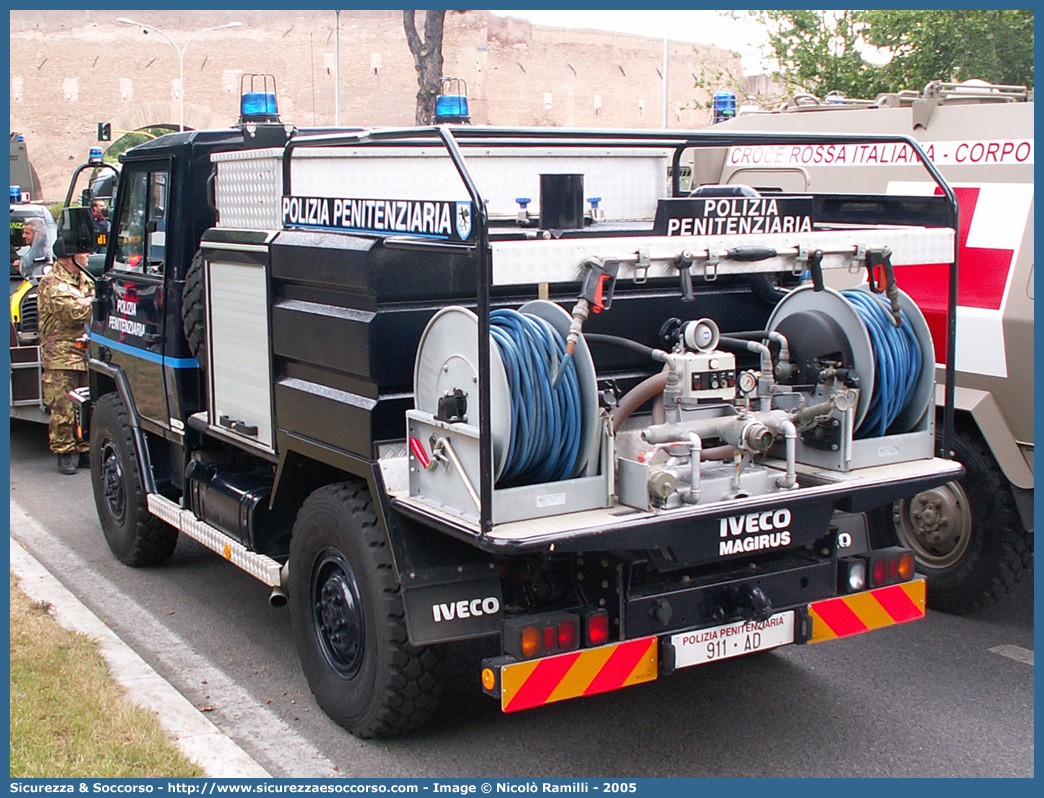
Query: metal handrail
(455, 137)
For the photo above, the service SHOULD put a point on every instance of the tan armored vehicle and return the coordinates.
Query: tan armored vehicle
(972, 538)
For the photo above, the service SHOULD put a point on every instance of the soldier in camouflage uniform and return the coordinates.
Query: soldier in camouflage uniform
(64, 297)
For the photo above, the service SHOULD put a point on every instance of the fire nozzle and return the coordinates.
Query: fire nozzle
(596, 295)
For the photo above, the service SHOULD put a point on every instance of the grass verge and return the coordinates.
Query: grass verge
(68, 715)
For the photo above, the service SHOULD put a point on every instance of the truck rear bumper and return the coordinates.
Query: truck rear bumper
(533, 683)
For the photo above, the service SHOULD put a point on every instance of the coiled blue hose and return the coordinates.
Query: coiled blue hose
(545, 423)
(897, 361)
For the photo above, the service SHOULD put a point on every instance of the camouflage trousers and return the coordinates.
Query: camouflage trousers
(61, 431)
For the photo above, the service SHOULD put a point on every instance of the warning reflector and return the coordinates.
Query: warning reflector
(862, 612)
(577, 673)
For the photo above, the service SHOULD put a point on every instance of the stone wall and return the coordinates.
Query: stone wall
(72, 69)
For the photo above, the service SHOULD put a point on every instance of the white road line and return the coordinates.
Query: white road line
(237, 710)
(1017, 653)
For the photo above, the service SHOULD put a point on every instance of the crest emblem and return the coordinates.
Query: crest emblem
(463, 218)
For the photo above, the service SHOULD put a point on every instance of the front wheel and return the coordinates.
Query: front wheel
(347, 616)
(966, 535)
(134, 535)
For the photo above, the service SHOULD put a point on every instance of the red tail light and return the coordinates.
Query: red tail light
(569, 634)
(543, 635)
(890, 566)
(597, 624)
(549, 638)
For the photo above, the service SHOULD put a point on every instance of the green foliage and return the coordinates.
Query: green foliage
(993, 45)
(819, 51)
(712, 79)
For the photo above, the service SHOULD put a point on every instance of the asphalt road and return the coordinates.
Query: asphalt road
(944, 697)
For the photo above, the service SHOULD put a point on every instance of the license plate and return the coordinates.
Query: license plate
(732, 640)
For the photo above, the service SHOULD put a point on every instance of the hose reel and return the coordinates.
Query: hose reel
(539, 433)
(894, 366)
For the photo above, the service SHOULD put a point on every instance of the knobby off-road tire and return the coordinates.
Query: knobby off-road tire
(966, 536)
(194, 310)
(347, 616)
(135, 537)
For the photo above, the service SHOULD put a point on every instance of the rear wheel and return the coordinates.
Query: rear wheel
(348, 620)
(966, 535)
(134, 535)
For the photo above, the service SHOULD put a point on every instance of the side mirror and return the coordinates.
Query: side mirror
(96, 264)
(77, 230)
(86, 197)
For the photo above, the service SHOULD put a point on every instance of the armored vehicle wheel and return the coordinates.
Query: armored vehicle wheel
(347, 615)
(966, 535)
(135, 537)
(194, 311)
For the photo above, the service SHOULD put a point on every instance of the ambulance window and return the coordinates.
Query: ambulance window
(141, 230)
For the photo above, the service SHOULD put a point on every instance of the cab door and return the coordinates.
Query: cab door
(132, 330)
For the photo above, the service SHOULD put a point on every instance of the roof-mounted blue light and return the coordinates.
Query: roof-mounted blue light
(255, 104)
(451, 105)
(724, 106)
(16, 194)
(257, 99)
(94, 156)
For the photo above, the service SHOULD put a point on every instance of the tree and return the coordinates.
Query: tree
(427, 58)
(821, 51)
(817, 52)
(994, 45)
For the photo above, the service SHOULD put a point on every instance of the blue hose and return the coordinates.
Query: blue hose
(545, 423)
(897, 362)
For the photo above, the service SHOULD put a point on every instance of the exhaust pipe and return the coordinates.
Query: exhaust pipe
(279, 596)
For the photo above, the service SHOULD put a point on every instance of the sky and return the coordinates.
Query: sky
(698, 26)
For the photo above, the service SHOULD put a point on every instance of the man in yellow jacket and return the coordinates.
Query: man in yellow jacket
(65, 298)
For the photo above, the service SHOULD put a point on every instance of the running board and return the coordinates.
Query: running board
(258, 566)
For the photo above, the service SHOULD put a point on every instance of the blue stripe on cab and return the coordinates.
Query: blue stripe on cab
(135, 351)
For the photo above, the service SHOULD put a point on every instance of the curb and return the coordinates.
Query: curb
(198, 738)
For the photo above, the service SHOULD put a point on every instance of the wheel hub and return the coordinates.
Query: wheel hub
(337, 613)
(936, 524)
(112, 482)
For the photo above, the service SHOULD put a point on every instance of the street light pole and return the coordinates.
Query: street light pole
(337, 68)
(666, 67)
(181, 55)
